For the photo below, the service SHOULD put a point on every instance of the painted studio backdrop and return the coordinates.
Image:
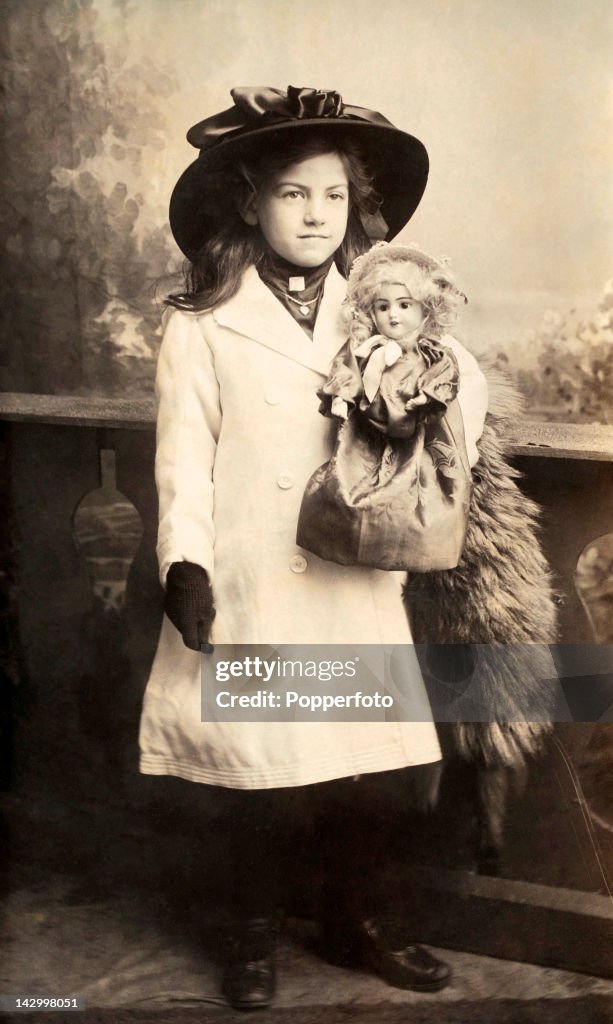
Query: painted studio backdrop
(509, 99)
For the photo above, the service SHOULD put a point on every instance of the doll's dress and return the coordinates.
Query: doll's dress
(380, 376)
(396, 491)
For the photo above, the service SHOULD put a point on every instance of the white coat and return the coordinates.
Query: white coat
(239, 434)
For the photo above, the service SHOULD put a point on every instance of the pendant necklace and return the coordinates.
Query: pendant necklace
(296, 284)
(302, 306)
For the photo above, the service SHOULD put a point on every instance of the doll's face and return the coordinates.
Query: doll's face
(395, 312)
(302, 211)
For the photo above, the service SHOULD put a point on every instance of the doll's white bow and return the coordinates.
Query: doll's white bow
(385, 352)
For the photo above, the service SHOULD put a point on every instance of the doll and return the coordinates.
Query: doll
(395, 494)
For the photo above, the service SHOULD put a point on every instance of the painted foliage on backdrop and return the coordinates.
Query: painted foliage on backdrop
(573, 381)
(85, 236)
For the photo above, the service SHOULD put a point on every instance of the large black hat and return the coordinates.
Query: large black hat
(398, 161)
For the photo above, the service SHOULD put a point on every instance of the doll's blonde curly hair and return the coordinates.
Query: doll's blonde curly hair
(428, 281)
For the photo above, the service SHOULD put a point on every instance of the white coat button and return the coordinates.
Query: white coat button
(272, 396)
(285, 481)
(298, 563)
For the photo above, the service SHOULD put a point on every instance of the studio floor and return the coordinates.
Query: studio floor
(123, 909)
(143, 943)
(123, 950)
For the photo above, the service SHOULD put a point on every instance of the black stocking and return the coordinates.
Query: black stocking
(254, 822)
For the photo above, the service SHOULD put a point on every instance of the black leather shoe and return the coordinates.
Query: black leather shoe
(368, 944)
(249, 978)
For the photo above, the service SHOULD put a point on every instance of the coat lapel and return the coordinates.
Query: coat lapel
(255, 313)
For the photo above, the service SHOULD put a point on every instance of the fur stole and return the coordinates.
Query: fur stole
(499, 596)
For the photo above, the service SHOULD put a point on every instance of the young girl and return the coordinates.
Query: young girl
(271, 216)
(396, 493)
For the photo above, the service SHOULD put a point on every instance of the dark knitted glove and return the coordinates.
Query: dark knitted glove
(189, 603)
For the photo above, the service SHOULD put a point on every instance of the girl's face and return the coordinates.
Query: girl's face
(302, 211)
(395, 312)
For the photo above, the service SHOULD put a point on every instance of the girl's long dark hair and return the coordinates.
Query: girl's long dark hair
(215, 275)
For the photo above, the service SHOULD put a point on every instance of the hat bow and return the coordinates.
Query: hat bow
(255, 106)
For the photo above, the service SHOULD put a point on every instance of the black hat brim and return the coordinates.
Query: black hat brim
(398, 162)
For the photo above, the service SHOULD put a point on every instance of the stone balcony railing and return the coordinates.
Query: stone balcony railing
(54, 454)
